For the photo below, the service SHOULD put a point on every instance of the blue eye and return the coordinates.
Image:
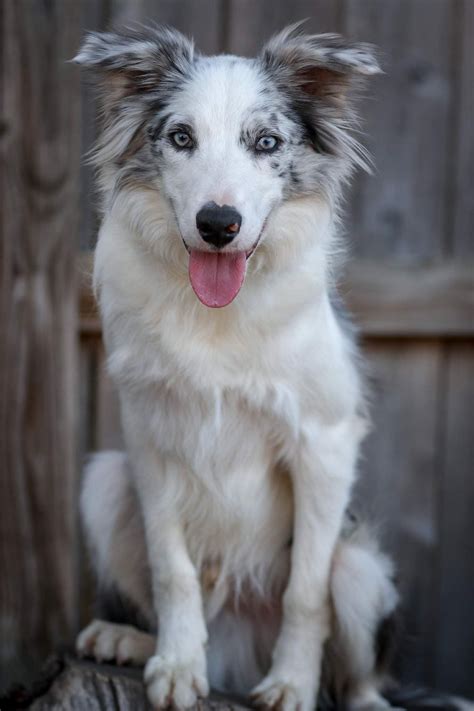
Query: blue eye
(182, 139)
(267, 144)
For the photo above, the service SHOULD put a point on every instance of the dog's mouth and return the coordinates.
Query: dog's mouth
(217, 277)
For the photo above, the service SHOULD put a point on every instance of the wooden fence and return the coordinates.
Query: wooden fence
(410, 285)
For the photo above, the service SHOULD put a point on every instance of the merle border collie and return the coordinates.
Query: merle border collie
(222, 534)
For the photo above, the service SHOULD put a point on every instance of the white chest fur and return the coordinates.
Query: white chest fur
(224, 391)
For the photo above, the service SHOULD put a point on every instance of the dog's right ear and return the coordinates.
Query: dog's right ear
(135, 61)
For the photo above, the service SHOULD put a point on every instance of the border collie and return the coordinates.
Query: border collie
(223, 532)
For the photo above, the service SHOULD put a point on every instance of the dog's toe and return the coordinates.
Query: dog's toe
(172, 684)
(107, 642)
(281, 695)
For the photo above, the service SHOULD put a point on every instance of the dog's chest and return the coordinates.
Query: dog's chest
(216, 403)
(235, 495)
(216, 431)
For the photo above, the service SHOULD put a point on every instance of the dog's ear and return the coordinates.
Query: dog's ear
(134, 70)
(324, 66)
(318, 74)
(134, 61)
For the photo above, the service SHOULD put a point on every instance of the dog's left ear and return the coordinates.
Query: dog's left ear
(321, 66)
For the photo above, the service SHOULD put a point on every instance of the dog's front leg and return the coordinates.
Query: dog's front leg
(176, 674)
(322, 472)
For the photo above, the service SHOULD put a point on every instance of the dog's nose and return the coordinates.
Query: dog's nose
(217, 224)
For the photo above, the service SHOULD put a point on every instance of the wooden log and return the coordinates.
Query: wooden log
(40, 147)
(72, 684)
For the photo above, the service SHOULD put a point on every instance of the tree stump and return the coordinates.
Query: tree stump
(71, 684)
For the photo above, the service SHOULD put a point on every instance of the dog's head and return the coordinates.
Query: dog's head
(210, 147)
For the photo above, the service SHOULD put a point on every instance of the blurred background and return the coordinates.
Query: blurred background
(409, 284)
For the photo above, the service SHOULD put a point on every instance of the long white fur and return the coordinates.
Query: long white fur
(242, 424)
(242, 631)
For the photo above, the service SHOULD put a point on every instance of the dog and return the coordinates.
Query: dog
(222, 542)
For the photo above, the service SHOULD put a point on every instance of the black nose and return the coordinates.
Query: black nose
(218, 225)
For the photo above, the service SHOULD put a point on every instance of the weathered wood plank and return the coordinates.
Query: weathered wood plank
(455, 614)
(38, 322)
(463, 130)
(402, 214)
(251, 23)
(94, 16)
(399, 484)
(201, 20)
(412, 301)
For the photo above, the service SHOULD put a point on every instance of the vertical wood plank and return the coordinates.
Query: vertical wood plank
(399, 480)
(94, 16)
(201, 20)
(402, 214)
(251, 23)
(454, 651)
(40, 158)
(455, 615)
(463, 180)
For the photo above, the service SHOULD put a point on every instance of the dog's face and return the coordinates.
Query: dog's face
(224, 140)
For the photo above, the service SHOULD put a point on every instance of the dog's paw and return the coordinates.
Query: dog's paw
(379, 704)
(108, 642)
(173, 684)
(369, 700)
(284, 694)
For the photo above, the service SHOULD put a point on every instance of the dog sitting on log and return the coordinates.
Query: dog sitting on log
(221, 539)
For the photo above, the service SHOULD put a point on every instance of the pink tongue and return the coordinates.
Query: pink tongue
(216, 277)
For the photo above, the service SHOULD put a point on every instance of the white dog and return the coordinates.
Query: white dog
(222, 532)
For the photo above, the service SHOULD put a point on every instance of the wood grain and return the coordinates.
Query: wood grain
(454, 621)
(462, 195)
(402, 213)
(414, 301)
(201, 20)
(84, 686)
(38, 315)
(94, 16)
(251, 23)
(399, 485)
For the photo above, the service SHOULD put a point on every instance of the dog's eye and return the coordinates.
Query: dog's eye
(182, 139)
(267, 144)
